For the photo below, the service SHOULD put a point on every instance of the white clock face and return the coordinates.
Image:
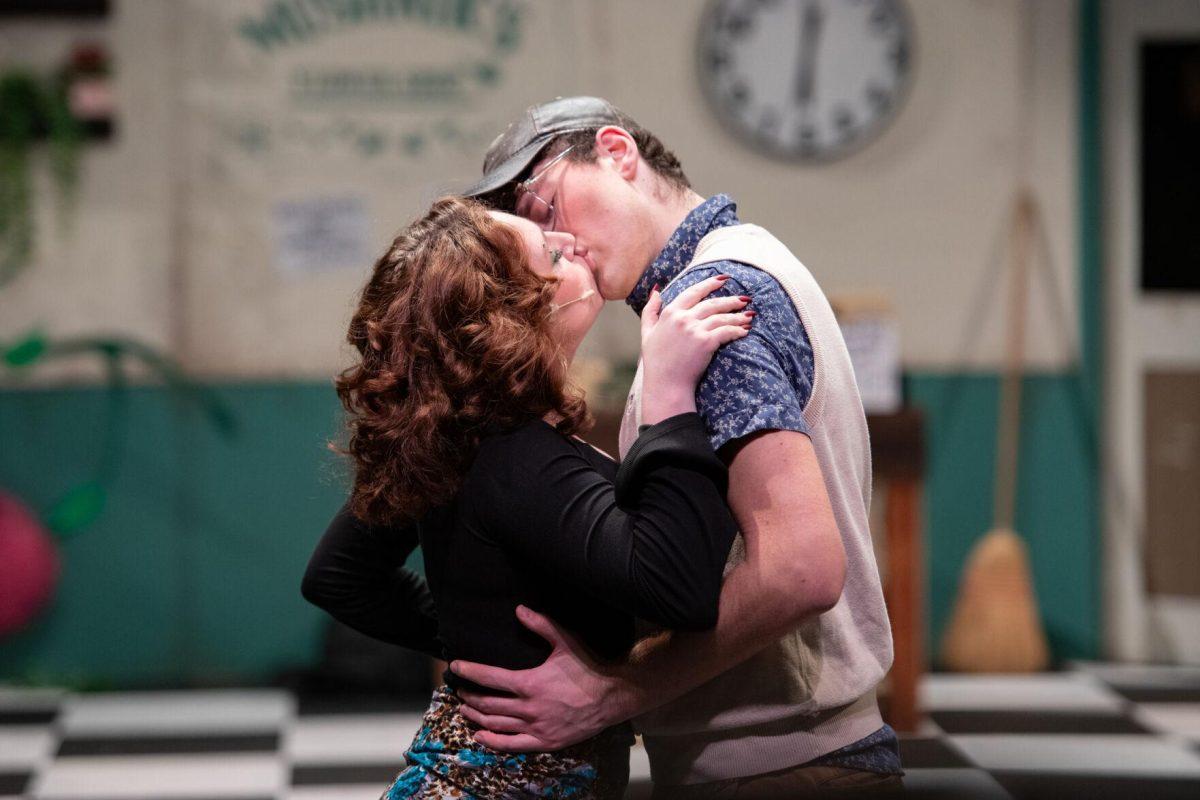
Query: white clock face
(805, 79)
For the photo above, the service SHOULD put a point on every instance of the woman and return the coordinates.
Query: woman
(463, 434)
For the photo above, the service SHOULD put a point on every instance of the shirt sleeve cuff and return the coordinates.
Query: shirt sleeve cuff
(767, 417)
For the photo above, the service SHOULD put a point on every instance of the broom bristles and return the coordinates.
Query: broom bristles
(995, 626)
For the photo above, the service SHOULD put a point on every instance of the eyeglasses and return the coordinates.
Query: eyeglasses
(540, 212)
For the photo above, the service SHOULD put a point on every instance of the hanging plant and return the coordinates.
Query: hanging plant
(65, 137)
(30, 108)
(18, 109)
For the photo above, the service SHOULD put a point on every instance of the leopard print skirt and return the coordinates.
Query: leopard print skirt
(445, 762)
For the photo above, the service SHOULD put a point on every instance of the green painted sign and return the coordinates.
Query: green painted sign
(283, 23)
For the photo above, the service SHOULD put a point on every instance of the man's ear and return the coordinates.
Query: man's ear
(616, 143)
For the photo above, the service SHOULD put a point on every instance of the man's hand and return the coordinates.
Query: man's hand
(568, 698)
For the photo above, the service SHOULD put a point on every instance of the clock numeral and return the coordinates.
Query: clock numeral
(843, 118)
(898, 55)
(882, 18)
(807, 135)
(737, 25)
(878, 97)
(739, 94)
(768, 123)
(717, 59)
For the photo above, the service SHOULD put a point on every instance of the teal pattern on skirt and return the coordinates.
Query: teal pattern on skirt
(444, 761)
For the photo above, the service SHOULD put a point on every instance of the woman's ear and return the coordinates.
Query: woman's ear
(616, 143)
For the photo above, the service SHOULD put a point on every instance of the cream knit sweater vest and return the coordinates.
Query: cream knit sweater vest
(812, 691)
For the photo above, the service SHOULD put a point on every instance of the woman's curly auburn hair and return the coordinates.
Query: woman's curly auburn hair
(456, 340)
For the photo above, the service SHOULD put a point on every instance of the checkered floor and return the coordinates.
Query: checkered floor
(1093, 731)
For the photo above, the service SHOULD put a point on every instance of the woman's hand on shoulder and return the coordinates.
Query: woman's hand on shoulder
(678, 342)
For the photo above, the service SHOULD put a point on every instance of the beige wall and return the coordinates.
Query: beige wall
(174, 240)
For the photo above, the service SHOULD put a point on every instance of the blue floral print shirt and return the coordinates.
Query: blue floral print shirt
(757, 383)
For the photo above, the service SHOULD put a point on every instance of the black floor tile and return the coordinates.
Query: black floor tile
(916, 753)
(641, 789)
(189, 797)
(1159, 694)
(318, 704)
(1040, 786)
(13, 782)
(161, 745)
(1033, 721)
(340, 774)
(27, 716)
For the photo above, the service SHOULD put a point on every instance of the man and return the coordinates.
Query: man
(778, 700)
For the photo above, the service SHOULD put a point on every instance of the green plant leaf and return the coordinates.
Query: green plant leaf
(26, 351)
(77, 509)
(487, 74)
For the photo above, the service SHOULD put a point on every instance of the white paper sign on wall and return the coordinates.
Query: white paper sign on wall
(320, 234)
(874, 345)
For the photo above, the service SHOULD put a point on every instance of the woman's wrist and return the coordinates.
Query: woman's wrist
(659, 403)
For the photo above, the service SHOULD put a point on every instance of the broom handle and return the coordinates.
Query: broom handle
(1009, 431)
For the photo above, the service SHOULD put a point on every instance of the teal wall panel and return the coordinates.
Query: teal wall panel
(1055, 514)
(192, 573)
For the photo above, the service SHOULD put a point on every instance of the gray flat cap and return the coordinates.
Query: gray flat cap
(519, 146)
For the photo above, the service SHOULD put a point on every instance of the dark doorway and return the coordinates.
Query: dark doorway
(1171, 165)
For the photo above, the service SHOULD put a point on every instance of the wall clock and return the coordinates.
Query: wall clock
(805, 80)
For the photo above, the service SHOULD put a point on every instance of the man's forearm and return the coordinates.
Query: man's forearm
(661, 668)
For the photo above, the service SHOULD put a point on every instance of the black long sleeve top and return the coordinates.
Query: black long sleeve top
(547, 521)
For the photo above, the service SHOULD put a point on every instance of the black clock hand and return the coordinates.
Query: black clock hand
(810, 31)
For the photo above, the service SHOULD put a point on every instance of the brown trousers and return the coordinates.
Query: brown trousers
(798, 782)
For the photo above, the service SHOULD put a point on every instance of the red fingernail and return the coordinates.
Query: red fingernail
(750, 313)
(744, 298)
(722, 277)
(655, 289)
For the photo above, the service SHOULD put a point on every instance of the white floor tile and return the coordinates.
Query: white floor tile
(338, 739)
(1181, 719)
(1154, 675)
(1102, 754)
(196, 711)
(26, 745)
(958, 782)
(165, 777)
(20, 697)
(354, 792)
(639, 763)
(927, 729)
(1058, 692)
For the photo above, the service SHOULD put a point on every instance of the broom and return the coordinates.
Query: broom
(995, 626)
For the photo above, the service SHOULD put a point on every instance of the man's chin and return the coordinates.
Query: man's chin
(609, 292)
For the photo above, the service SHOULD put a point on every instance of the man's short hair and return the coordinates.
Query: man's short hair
(660, 158)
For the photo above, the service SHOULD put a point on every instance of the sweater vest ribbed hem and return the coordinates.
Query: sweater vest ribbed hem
(688, 758)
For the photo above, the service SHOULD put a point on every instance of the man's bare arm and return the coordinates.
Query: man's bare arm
(794, 569)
